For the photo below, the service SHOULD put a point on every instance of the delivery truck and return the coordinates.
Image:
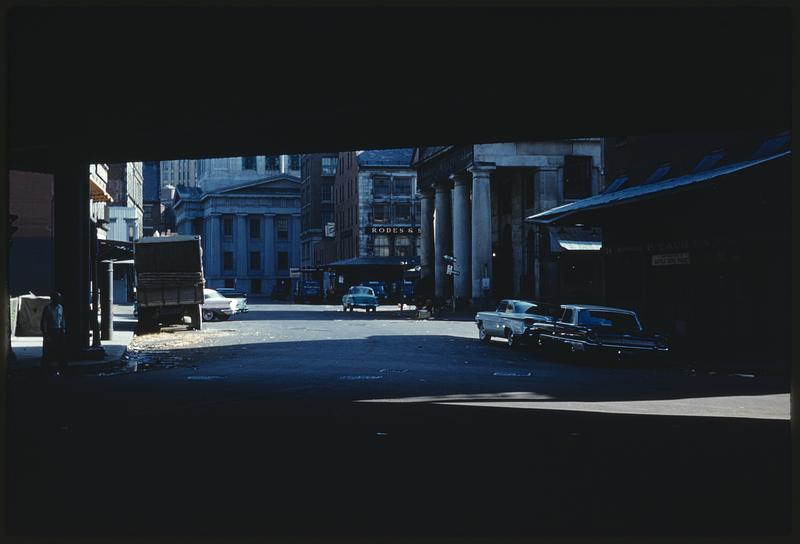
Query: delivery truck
(169, 280)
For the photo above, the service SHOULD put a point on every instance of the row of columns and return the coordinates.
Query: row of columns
(213, 245)
(458, 222)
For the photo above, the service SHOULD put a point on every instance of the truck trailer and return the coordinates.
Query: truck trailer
(169, 280)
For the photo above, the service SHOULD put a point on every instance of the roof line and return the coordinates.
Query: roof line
(638, 192)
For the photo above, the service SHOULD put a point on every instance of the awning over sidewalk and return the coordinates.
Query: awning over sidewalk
(640, 192)
(360, 262)
(98, 193)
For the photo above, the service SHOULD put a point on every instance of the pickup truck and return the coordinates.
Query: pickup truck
(599, 330)
(514, 321)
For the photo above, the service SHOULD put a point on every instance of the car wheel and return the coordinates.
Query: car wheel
(511, 340)
(208, 315)
(483, 336)
(344, 308)
(373, 309)
(350, 308)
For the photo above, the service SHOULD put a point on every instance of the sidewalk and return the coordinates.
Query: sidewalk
(28, 349)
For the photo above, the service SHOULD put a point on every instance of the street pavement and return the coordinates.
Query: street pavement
(307, 420)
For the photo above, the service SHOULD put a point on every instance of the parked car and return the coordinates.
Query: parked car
(239, 296)
(308, 291)
(360, 296)
(379, 289)
(600, 330)
(514, 320)
(216, 306)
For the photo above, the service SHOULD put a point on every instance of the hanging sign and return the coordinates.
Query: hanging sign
(666, 259)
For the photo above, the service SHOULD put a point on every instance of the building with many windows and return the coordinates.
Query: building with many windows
(250, 231)
(215, 174)
(318, 175)
(377, 216)
(126, 212)
(180, 172)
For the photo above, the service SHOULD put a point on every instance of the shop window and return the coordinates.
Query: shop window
(227, 260)
(403, 246)
(577, 176)
(381, 247)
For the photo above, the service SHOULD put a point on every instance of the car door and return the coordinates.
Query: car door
(507, 319)
(493, 319)
(563, 325)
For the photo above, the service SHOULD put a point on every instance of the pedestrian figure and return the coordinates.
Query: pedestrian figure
(52, 326)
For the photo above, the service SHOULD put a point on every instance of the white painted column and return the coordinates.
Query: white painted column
(443, 237)
(426, 258)
(481, 231)
(242, 258)
(462, 225)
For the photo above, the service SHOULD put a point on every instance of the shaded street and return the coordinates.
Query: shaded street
(255, 426)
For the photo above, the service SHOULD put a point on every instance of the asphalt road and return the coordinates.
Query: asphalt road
(305, 420)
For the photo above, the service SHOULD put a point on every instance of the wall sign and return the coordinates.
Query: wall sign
(393, 230)
(666, 259)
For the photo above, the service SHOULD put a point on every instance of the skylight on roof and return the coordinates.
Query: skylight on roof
(771, 146)
(616, 184)
(709, 161)
(659, 173)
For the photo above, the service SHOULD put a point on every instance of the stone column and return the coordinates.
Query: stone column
(213, 260)
(481, 231)
(71, 241)
(242, 258)
(294, 239)
(443, 236)
(426, 225)
(462, 225)
(269, 251)
(548, 193)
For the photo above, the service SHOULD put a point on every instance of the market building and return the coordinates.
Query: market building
(692, 256)
(474, 201)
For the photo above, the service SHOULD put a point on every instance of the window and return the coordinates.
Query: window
(380, 186)
(255, 260)
(567, 317)
(577, 176)
(248, 163)
(272, 162)
(283, 260)
(402, 212)
(230, 283)
(402, 186)
(381, 245)
(255, 228)
(255, 286)
(283, 228)
(227, 226)
(403, 246)
(227, 260)
(327, 216)
(294, 162)
(327, 191)
(329, 166)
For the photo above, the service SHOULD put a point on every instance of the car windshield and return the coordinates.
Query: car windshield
(362, 291)
(616, 321)
(210, 293)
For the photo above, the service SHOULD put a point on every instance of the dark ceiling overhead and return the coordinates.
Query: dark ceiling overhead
(159, 83)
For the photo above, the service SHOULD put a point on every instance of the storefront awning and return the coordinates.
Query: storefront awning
(115, 250)
(98, 193)
(395, 262)
(640, 192)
